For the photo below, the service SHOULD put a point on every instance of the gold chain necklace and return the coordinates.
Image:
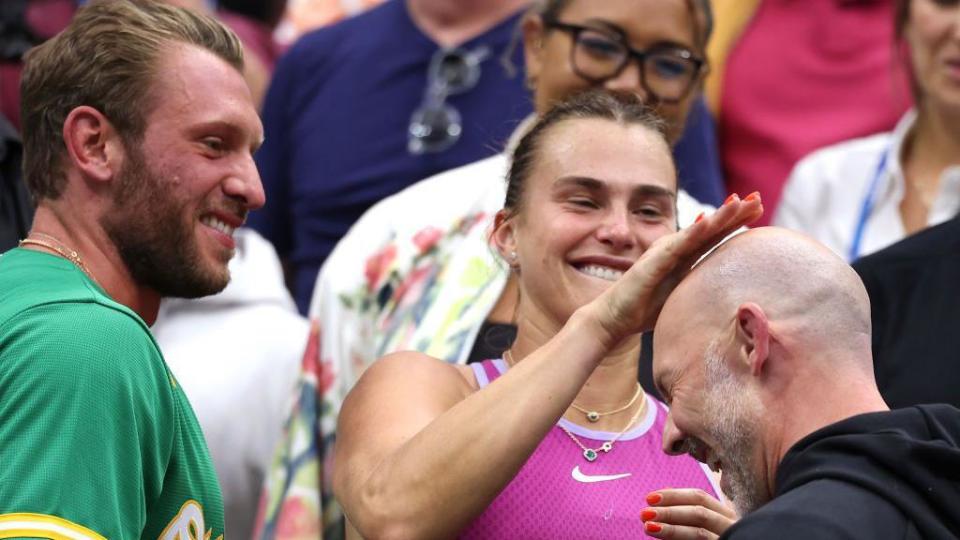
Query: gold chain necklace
(60, 248)
(592, 416)
(591, 454)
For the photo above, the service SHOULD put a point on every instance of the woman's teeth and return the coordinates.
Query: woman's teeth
(601, 272)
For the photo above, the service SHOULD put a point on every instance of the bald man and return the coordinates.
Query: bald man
(763, 353)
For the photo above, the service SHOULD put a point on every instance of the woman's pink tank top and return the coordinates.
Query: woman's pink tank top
(559, 494)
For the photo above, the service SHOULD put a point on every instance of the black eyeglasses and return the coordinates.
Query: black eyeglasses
(667, 72)
(436, 125)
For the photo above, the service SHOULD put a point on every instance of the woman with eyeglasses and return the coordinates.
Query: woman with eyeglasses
(860, 196)
(555, 439)
(417, 272)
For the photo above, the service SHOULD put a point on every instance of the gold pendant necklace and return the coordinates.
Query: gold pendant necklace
(591, 454)
(59, 248)
(594, 416)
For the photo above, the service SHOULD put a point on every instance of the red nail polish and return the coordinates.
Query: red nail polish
(753, 196)
(700, 217)
(654, 498)
(731, 198)
(647, 515)
(652, 527)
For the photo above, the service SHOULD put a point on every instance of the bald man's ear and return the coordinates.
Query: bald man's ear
(753, 336)
(93, 144)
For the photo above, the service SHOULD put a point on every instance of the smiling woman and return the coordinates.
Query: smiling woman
(589, 229)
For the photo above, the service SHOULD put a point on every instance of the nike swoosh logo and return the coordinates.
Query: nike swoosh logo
(589, 479)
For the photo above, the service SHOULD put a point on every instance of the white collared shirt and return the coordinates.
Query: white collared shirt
(826, 193)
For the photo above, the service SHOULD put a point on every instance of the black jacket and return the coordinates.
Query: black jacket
(914, 288)
(16, 212)
(889, 475)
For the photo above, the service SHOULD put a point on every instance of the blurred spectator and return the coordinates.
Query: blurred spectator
(790, 77)
(862, 195)
(267, 12)
(237, 355)
(339, 117)
(302, 16)
(260, 49)
(319, 180)
(16, 210)
(416, 271)
(24, 23)
(914, 286)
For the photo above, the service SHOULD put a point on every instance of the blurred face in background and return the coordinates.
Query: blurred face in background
(932, 31)
(592, 44)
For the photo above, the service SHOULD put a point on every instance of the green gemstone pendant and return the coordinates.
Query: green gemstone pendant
(590, 455)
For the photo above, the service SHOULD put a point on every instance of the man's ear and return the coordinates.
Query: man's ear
(504, 237)
(533, 35)
(753, 336)
(93, 144)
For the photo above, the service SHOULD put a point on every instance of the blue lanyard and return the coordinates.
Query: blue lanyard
(867, 207)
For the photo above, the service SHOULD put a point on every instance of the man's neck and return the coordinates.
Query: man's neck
(452, 22)
(99, 256)
(817, 403)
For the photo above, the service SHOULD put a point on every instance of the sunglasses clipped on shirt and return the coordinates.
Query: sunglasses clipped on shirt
(436, 125)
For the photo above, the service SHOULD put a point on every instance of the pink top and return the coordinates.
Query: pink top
(559, 494)
(802, 76)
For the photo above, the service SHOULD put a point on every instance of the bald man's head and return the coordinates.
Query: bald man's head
(795, 280)
(756, 347)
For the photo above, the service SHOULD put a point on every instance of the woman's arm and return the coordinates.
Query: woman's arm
(420, 453)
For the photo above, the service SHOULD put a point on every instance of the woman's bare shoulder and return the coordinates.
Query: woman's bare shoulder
(417, 376)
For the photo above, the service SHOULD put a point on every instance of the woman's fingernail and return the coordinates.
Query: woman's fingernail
(654, 498)
(755, 196)
(731, 198)
(647, 515)
(652, 527)
(700, 217)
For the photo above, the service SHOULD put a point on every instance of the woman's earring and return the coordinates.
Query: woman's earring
(513, 258)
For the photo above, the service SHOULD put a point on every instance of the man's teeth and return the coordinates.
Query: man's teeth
(218, 225)
(601, 272)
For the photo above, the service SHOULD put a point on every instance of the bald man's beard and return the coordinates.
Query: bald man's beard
(731, 420)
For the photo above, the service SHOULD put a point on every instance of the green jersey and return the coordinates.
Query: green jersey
(97, 439)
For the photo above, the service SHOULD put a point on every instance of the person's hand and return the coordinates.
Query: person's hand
(633, 303)
(685, 513)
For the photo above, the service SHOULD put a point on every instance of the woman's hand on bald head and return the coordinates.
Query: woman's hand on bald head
(632, 304)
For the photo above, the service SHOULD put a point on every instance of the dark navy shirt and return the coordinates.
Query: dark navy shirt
(336, 118)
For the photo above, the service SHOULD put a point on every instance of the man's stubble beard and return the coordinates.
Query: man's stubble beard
(147, 225)
(731, 419)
